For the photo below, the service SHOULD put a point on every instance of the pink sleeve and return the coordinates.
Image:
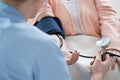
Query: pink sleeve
(110, 24)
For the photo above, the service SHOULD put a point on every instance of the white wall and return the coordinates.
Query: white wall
(116, 5)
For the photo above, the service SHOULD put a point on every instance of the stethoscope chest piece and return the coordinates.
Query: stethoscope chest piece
(104, 41)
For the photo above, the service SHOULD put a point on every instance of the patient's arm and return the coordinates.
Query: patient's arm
(99, 68)
(70, 58)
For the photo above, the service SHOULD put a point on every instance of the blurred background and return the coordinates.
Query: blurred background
(116, 5)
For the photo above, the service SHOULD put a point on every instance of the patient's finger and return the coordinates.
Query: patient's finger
(118, 61)
(112, 62)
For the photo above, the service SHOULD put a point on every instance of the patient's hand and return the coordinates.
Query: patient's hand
(113, 58)
(71, 58)
(112, 62)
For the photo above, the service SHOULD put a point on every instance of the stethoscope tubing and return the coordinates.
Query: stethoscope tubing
(111, 54)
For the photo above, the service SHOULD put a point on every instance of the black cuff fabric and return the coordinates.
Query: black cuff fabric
(50, 25)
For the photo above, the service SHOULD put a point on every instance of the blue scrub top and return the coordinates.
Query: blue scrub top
(27, 53)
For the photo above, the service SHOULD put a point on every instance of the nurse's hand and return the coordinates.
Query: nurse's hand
(99, 68)
(71, 58)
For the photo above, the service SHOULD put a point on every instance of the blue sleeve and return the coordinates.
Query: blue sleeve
(51, 64)
(50, 25)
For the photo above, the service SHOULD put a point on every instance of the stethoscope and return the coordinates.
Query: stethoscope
(102, 43)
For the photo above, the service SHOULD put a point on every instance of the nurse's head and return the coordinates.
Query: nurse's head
(28, 8)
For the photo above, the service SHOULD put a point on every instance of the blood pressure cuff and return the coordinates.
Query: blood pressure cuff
(50, 25)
